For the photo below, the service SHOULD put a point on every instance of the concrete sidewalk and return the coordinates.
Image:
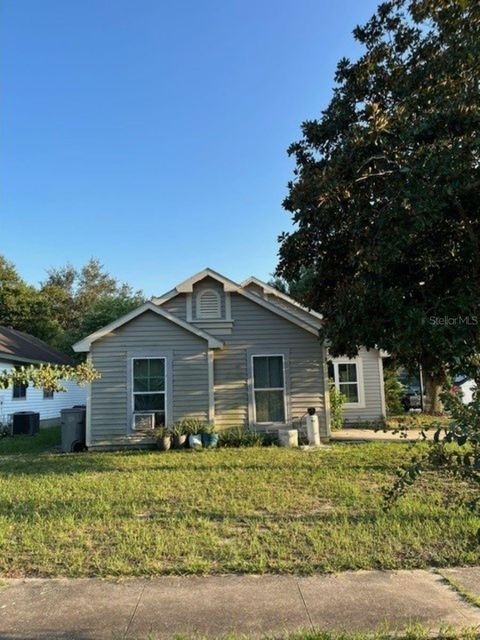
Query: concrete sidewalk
(217, 605)
(370, 435)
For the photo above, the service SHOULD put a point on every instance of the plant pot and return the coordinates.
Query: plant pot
(165, 443)
(195, 441)
(179, 441)
(210, 440)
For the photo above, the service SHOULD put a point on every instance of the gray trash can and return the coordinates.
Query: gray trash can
(73, 429)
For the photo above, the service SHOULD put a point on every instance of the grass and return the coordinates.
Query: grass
(252, 510)
(467, 595)
(416, 632)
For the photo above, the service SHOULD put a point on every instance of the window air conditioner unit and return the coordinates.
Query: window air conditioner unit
(143, 421)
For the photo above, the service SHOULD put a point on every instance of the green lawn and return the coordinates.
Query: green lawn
(230, 510)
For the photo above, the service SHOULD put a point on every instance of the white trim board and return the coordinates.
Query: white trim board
(84, 345)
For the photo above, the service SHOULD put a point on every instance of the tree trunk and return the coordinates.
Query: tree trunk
(433, 389)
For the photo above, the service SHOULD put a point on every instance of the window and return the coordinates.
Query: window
(269, 388)
(347, 379)
(48, 394)
(209, 304)
(148, 388)
(19, 391)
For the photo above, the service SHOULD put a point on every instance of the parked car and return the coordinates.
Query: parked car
(412, 400)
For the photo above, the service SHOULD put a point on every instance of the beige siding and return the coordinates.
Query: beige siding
(109, 397)
(372, 372)
(257, 330)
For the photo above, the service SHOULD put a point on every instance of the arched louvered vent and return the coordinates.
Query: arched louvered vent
(208, 304)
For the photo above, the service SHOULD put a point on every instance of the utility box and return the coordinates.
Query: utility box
(288, 438)
(73, 429)
(25, 423)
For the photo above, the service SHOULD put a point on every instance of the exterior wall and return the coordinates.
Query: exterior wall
(258, 330)
(49, 409)
(287, 306)
(372, 373)
(148, 334)
(176, 306)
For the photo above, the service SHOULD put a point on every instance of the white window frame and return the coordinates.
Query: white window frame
(200, 294)
(134, 393)
(49, 396)
(284, 388)
(360, 387)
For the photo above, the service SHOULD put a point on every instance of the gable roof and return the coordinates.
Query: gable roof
(187, 285)
(311, 324)
(84, 345)
(279, 294)
(17, 346)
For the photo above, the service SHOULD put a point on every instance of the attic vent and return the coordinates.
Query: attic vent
(208, 304)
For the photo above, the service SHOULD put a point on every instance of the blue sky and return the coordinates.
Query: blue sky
(153, 134)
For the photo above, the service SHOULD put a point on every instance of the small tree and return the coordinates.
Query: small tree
(337, 400)
(393, 390)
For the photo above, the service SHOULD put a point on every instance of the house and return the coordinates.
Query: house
(18, 348)
(466, 386)
(233, 354)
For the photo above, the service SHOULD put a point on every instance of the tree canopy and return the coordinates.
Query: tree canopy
(386, 188)
(67, 306)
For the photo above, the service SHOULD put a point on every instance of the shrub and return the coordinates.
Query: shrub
(239, 437)
(190, 426)
(393, 391)
(337, 400)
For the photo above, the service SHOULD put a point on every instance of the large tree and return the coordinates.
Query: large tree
(386, 194)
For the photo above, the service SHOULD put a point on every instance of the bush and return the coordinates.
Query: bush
(239, 437)
(393, 391)
(191, 426)
(416, 421)
(337, 400)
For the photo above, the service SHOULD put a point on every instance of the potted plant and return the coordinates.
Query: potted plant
(209, 437)
(194, 433)
(164, 438)
(179, 435)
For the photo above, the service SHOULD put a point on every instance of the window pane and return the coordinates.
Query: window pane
(157, 384)
(159, 419)
(140, 368)
(260, 372)
(269, 406)
(350, 391)
(149, 374)
(347, 372)
(149, 402)
(268, 371)
(275, 371)
(157, 367)
(19, 390)
(140, 384)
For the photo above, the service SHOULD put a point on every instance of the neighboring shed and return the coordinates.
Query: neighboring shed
(18, 348)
